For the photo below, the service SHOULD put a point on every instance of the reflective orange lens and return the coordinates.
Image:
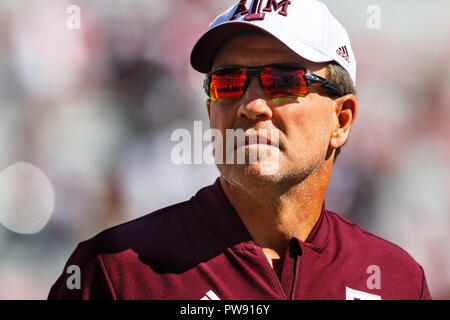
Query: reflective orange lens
(227, 84)
(277, 82)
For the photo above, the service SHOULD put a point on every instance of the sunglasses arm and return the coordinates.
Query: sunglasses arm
(311, 78)
(206, 83)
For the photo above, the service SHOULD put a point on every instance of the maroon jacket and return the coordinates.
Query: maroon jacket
(200, 249)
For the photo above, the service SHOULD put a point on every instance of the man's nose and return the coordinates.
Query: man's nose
(253, 104)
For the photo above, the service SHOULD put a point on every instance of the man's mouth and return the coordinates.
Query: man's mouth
(255, 140)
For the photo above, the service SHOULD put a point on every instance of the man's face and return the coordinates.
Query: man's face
(304, 125)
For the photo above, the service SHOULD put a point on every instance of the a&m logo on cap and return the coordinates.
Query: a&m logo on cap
(255, 11)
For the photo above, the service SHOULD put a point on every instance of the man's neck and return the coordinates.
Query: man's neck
(273, 217)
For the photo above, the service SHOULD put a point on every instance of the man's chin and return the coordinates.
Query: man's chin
(259, 171)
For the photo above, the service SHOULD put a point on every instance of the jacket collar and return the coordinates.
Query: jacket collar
(229, 226)
(320, 234)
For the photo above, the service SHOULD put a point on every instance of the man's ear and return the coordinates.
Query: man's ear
(208, 107)
(346, 108)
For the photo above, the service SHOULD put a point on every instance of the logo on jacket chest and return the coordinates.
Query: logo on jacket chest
(373, 282)
(352, 294)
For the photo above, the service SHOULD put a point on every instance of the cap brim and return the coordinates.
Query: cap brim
(205, 50)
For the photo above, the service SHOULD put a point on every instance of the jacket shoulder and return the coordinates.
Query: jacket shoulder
(151, 234)
(356, 236)
(155, 226)
(397, 267)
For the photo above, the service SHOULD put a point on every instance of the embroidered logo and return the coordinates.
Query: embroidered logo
(342, 51)
(210, 295)
(255, 12)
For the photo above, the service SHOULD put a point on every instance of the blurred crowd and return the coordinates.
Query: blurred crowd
(94, 109)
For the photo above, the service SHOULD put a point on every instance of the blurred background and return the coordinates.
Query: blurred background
(93, 109)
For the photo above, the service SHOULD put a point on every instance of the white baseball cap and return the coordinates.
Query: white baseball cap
(305, 26)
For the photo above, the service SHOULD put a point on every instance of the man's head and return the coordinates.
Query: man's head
(309, 128)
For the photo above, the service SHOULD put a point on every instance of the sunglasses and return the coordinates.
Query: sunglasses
(277, 80)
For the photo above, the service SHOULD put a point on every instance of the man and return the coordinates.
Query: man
(282, 71)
